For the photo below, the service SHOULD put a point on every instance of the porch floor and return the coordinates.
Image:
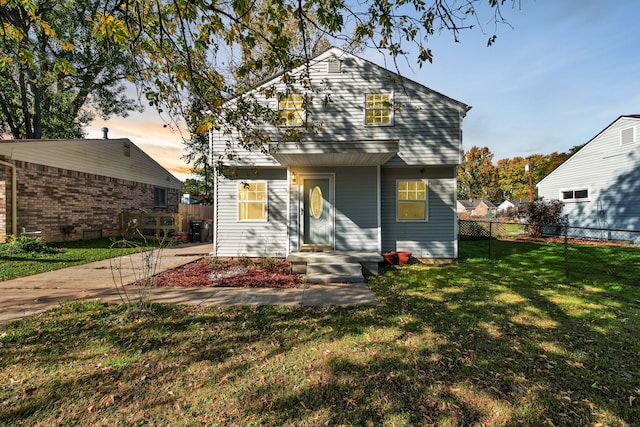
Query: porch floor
(313, 256)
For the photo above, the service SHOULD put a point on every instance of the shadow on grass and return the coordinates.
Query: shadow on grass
(483, 342)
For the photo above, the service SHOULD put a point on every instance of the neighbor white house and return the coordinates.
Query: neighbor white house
(600, 184)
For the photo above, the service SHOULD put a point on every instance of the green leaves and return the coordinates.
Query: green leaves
(107, 26)
(63, 66)
(62, 63)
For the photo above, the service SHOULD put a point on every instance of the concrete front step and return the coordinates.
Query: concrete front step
(345, 272)
(369, 260)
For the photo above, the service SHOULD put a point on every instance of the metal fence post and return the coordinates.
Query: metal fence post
(490, 226)
(565, 230)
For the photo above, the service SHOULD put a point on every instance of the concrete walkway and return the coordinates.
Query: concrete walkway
(94, 281)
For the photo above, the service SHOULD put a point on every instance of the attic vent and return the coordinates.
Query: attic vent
(334, 66)
(627, 136)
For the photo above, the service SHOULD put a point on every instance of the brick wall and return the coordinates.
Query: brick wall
(50, 198)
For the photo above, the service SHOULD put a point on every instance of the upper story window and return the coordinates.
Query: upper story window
(291, 110)
(252, 201)
(411, 200)
(160, 197)
(577, 195)
(378, 109)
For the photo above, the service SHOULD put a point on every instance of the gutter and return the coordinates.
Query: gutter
(14, 197)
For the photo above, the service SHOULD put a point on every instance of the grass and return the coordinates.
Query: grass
(484, 342)
(66, 254)
(605, 267)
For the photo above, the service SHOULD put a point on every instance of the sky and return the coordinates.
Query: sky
(557, 75)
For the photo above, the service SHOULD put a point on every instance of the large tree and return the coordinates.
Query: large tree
(56, 71)
(477, 177)
(183, 47)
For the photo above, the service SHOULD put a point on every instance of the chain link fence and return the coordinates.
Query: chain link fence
(573, 254)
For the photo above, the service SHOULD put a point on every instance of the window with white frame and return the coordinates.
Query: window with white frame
(252, 201)
(378, 109)
(411, 198)
(291, 109)
(575, 195)
(160, 197)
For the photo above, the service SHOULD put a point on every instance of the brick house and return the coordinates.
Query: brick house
(475, 209)
(76, 189)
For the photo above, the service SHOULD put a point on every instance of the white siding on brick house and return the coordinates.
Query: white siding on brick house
(610, 171)
(115, 158)
(80, 184)
(49, 198)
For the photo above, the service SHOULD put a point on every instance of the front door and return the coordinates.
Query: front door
(317, 212)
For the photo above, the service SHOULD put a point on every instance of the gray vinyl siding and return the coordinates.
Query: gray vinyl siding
(356, 221)
(427, 123)
(611, 173)
(435, 238)
(115, 158)
(251, 238)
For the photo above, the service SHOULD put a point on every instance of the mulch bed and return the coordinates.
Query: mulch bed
(231, 273)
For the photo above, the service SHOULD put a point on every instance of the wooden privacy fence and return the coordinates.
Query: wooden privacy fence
(190, 212)
(161, 225)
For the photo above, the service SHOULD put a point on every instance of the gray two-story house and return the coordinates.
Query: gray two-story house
(377, 171)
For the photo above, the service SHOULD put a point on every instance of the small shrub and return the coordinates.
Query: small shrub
(269, 262)
(246, 262)
(214, 261)
(26, 245)
(539, 214)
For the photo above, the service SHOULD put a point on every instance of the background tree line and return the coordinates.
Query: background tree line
(480, 178)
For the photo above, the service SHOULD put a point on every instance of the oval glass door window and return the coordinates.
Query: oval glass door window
(316, 202)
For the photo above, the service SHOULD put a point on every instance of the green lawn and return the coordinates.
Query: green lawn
(606, 267)
(483, 342)
(65, 254)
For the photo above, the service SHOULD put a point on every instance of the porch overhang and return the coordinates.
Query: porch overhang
(334, 153)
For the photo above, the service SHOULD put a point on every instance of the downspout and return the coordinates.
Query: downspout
(379, 203)
(287, 249)
(14, 197)
(214, 190)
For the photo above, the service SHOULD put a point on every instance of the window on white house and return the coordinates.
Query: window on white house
(378, 109)
(291, 110)
(577, 195)
(411, 198)
(252, 201)
(160, 197)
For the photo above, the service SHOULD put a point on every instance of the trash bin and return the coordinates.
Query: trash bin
(196, 226)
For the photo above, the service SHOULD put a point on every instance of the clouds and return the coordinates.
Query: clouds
(148, 131)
